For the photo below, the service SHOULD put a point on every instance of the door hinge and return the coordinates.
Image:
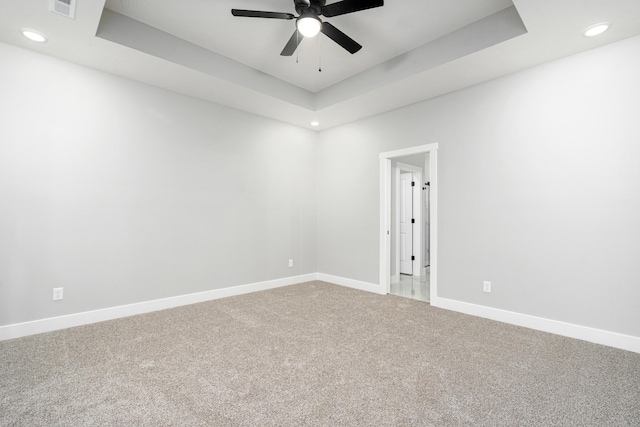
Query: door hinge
(413, 220)
(413, 258)
(413, 184)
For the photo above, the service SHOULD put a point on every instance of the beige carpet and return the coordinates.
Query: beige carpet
(314, 354)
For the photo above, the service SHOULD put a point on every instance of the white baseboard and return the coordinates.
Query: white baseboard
(597, 336)
(18, 330)
(351, 283)
(570, 330)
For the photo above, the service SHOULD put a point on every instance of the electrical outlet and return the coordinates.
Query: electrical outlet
(486, 286)
(290, 263)
(57, 293)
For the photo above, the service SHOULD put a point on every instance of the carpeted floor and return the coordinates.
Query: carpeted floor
(314, 354)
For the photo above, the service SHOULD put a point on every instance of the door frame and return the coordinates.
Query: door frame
(417, 215)
(385, 214)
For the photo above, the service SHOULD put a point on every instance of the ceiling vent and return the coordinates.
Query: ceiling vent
(63, 7)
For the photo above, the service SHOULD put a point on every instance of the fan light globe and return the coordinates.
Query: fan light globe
(309, 27)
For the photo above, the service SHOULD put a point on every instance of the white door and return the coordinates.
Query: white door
(425, 215)
(406, 223)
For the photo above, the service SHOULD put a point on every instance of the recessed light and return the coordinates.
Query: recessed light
(597, 29)
(315, 123)
(34, 36)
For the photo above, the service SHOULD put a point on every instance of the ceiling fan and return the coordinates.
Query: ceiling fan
(308, 23)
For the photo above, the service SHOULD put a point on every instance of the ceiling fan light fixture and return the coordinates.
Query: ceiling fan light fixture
(308, 26)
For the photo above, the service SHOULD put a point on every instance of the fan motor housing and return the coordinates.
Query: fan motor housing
(313, 7)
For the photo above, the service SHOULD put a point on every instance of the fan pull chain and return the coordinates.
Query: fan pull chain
(319, 53)
(297, 44)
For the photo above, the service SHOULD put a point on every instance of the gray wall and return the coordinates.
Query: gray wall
(539, 189)
(121, 192)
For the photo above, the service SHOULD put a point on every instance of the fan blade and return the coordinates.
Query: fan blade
(350, 6)
(260, 14)
(341, 38)
(292, 44)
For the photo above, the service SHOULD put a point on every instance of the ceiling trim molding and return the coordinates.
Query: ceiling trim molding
(489, 31)
(128, 32)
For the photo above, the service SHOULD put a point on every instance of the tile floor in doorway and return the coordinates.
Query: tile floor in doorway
(414, 287)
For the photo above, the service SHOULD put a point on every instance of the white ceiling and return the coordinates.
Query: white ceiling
(412, 49)
(384, 32)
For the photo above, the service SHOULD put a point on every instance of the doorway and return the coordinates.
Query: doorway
(407, 216)
(408, 222)
(409, 273)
